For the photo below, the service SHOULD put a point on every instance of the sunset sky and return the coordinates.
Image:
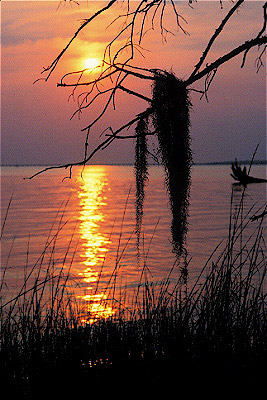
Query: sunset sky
(36, 126)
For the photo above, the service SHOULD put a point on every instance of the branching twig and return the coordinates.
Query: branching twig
(102, 145)
(258, 36)
(238, 50)
(134, 93)
(98, 79)
(51, 67)
(214, 37)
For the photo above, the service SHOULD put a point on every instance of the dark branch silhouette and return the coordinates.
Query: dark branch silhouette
(118, 72)
(213, 38)
(168, 112)
(51, 67)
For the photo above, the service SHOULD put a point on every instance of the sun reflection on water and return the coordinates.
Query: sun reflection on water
(94, 243)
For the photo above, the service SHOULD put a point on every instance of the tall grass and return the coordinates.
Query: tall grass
(214, 328)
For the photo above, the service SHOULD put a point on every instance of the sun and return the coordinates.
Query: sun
(92, 63)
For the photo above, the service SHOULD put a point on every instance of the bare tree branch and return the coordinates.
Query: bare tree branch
(134, 93)
(235, 52)
(258, 36)
(51, 67)
(215, 35)
(168, 114)
(101, 146)
(116, 72)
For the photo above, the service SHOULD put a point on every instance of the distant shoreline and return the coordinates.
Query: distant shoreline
(245, 162)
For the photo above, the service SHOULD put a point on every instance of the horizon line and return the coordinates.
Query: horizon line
(243, 162)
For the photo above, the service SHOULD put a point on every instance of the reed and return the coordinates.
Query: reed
(181, 333)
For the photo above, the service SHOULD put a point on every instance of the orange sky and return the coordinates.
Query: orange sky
(36, 126)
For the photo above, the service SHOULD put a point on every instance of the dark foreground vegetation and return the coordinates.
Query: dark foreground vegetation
(206, 337)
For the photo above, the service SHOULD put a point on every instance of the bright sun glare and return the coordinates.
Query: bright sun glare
(92, 63)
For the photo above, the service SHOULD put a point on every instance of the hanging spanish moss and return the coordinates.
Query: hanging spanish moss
(171, 109)
(141, 171)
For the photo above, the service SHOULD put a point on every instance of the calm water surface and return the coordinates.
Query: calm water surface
(86, 225)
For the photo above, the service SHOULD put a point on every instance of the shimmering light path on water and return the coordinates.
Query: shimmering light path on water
(86, 226)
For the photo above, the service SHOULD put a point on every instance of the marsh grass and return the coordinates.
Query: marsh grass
(175, 333)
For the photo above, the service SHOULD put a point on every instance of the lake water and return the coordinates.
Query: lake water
(86, 225)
